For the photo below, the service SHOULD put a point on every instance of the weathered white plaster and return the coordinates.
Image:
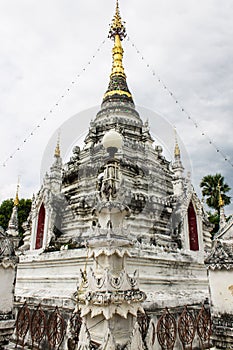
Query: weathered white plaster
(221, 289)
(7, 276)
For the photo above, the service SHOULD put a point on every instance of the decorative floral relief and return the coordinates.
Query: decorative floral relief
(105, 298)
(109, 281)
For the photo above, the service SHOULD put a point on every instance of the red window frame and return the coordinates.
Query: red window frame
(40, 228)
(193, 232)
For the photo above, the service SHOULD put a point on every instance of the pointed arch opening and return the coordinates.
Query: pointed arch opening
(193, 232)
(40, 228)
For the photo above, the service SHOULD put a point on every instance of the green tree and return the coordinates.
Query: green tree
(211, 186)
(6, 207)
(214, 220)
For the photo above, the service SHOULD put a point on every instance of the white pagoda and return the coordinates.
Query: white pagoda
(114, 247)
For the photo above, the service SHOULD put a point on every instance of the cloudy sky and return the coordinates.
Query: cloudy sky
(46, 44)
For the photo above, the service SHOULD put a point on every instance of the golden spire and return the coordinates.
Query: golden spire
(118, 26)
(117, 33)
(117, 85)
(57, 152)
(117, 55)
(177, 148)
(220, 200)
(16, 200)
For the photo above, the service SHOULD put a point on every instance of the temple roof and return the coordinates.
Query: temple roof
(221, 256)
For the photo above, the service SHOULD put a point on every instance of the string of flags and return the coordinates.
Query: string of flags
(179, 105)
(75, 81)
(54, 107)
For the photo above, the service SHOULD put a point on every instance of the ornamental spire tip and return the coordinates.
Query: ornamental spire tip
(118, 86)
(16, 200)
(118, 26)
(57, 152)
(220, 200)
(177, 148)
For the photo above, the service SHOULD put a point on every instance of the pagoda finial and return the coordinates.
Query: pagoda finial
(13, 222)
(220, 200)
(117, 86)
(117, 33)
(222, 218)
(57, 152)
(118, 26)
(177, 148)
(16, 200)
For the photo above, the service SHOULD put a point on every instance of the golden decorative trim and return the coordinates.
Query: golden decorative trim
(57, 152)
(117, 26)
(117, 22)
(177, 148)
(117, 33)
(118, 92)
(220, 200)
(16, 200)
(117, 53)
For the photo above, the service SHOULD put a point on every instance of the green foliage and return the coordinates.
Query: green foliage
(214, 219)
(212, 186)
(210, 190)
(5, 212)
(6, 207)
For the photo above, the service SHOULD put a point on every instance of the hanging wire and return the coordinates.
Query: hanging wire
(180, 106)
(54, 107)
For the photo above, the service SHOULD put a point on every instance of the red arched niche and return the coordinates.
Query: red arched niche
(40, 227)
(193, 233)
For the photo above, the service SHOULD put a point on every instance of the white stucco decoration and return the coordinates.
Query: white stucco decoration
(109, 342)
(84, 338)
(136, 339)
(112, 138)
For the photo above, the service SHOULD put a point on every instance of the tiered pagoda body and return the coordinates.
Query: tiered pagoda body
(116, 234)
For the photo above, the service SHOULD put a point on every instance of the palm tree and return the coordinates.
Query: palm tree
(212, 186)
